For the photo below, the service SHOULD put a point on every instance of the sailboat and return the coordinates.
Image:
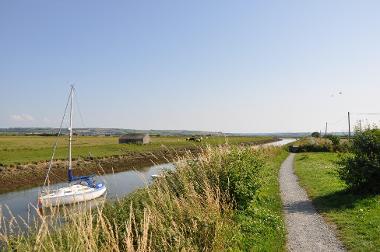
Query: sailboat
(79, 188)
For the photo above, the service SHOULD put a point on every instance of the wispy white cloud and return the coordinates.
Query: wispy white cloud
(22, 118)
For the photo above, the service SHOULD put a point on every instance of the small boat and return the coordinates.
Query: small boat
(79, 188)
(71, 194)
(155, 176)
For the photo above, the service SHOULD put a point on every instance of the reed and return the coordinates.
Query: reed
(194, 208)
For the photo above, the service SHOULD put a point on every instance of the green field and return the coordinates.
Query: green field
(26, 149)
(357, 217)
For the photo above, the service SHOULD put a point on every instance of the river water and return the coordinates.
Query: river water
(20, 205)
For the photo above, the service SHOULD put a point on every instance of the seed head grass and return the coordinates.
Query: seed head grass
(225, 198)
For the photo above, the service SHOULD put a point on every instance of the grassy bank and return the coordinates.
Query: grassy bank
(357, 217)
(15, 150)
(227, 198)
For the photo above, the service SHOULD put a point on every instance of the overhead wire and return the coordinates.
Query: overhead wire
(365, 113)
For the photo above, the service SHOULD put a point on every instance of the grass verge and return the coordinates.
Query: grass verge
(225, 199)
(357, 217)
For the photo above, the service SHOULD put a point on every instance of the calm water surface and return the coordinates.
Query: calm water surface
(21, 204)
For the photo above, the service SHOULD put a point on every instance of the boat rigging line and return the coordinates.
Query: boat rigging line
(46, 182)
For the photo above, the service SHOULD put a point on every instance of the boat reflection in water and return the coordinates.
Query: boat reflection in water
(22, 206)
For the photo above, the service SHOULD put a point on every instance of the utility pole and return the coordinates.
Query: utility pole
(326, 129)
(349, 127)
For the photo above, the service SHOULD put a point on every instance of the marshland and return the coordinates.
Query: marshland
(201, 204)
(24, 159)
(189, 125)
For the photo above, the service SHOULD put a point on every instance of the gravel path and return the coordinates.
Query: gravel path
(306, 229)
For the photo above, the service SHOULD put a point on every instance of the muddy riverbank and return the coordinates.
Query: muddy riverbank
(13, 178)
(18, 177)
(25, 176)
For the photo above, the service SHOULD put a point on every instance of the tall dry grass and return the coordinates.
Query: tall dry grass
(190, 209)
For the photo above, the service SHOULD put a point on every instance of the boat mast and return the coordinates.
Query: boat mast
(70, 172)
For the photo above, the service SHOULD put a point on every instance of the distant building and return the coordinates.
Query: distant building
(134, 138)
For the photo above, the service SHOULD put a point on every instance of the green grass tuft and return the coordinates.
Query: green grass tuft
(357, 217)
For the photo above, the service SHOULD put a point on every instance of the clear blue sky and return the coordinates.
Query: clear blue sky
(232, 66)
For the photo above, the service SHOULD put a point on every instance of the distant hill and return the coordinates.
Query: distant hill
(102, 131)
(118, 132)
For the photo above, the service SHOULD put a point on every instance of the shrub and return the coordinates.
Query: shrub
(344, 146)
(241, 180)
(361, 168)
(311, 144)
(334, 139)
(315, 147)
(336, 143)
(316, 134)
(328, 143)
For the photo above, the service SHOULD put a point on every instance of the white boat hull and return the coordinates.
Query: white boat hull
(70, 195)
